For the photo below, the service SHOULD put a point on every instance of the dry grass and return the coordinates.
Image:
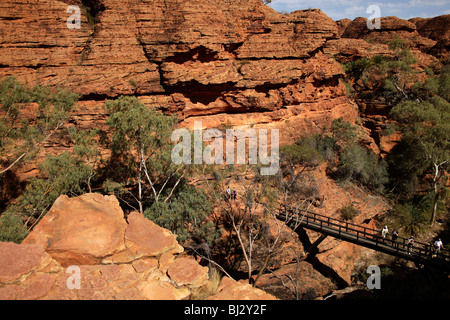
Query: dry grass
(210, 288)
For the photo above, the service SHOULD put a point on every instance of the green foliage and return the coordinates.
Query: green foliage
(20, 137)
(136, 126)
(360, 165)
(388, 76)
(87, 149)
(138, 130)
(12, 228)
(186, 215)
(355, 163)
(141, 155)
(426, 132)
(24, 128)
(344, 133)
(412, 216)
(444, 83)
(425, 147)
(322, 143)
(357, 68)
(310, 151)
(434, 85)
(301, 154)
(141, 151)
(348, 212)
(63, 174)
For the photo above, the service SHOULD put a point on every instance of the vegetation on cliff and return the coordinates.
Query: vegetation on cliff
(419, 109)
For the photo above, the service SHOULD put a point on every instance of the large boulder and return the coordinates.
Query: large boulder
(81, 230)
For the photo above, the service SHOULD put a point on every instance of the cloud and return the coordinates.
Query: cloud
(422, 3)
(339, 9)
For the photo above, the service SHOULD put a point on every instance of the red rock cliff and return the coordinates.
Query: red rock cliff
(236, 62)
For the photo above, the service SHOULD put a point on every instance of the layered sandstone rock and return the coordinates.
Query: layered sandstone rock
(438, 29)
(390, 29)
(114, 259)
(238, 62)
(234, 63)
(429, 35)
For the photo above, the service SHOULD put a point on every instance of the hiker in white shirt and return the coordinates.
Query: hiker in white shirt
(438, 245)
(384, 232)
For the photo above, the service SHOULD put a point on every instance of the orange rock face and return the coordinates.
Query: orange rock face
(81, 230)
(390, 28)
(236, 62)
(438, 29)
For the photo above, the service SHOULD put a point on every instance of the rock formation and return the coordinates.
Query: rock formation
(234, 63)
(390, 27)
(88, 236)
(237, 63)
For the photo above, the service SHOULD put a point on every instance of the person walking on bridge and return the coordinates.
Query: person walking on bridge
(410, 244)
(438, 245)
(394, 238)
(384, 232)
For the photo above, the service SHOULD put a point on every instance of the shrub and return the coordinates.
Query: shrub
(301, 154)
(323, 143)
(12, 229)
(359, 165)
(22, 138)
(348, 212)
(185, 214)
(63, 174)
(411, 216)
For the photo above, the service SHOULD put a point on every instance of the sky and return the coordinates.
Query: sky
(340, 9)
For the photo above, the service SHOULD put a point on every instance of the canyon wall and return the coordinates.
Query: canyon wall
(222, 62)
(234, 63)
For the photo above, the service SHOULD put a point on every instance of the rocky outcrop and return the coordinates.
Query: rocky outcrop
(297, 281)
(390, 28)
(85, 249)
(438, 29)
(430, 35)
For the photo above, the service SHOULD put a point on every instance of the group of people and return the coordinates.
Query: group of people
(231, 195)
(436, 246)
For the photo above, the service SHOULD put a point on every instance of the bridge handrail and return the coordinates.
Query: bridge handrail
(365, 232)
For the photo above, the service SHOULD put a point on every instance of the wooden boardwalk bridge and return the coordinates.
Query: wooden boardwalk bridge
(420, 253)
